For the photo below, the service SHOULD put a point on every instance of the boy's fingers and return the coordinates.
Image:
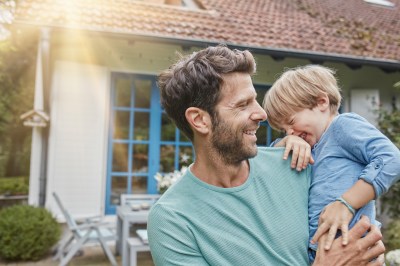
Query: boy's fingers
(345, 234)
(300, 160)
(307, 158)
(322, 229)
(286, 152)
(331, 237)
(295, 155)
(311, 160)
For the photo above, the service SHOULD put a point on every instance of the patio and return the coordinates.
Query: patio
(92, 255)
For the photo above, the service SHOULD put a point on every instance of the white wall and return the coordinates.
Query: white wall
(78, 138)
(366, 102)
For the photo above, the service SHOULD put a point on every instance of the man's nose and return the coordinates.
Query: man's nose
(259, 114)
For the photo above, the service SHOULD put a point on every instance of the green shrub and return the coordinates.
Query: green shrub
(27, 232)
(14, 186)
(391, 235)
(389, 124)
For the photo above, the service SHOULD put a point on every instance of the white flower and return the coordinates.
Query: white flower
(393, 257)
(168, 179)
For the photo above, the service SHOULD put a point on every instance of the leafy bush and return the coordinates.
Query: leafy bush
(27, 232)
(389, 124)
(391, 235)
(14, 186)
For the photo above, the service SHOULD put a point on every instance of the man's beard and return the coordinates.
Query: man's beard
(229, 145)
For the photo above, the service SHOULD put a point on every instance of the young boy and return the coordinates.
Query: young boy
(354, 162)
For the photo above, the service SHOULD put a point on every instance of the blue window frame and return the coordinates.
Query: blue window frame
(142, 139)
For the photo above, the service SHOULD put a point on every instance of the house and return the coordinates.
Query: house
(98, 61)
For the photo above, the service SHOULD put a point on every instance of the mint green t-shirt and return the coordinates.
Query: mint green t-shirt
(262, 222)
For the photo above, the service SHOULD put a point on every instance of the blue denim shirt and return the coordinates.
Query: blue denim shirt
(349, 150)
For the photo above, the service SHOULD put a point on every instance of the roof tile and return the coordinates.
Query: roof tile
(349, 28)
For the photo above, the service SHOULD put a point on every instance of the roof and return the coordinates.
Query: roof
(336, 28)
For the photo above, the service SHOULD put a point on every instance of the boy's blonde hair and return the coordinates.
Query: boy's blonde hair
(300, 88)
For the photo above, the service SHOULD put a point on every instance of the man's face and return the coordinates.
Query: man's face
(238, 118)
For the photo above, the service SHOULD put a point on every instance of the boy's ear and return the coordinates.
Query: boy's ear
(323, 102)
(198, 119)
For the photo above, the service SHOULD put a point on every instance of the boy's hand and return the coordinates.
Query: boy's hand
(301, 151)
(334, 216)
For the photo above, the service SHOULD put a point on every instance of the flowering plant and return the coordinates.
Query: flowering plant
(168, 179)
(393, 257)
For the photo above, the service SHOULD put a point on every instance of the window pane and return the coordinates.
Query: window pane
(123, 92)
(262, 135)
(120, 157)
(185, 156)
(141, 126)
(183, 137)
(121, 125)
(118, 187)
(260, 95)
(139, 184)
(167, 128)
(142, 93)
(167, 158)
(140, 158)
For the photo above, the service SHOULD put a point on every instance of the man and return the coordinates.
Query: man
(237, 204)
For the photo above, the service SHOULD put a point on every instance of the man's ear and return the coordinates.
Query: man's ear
(198, 119)
(323, 102)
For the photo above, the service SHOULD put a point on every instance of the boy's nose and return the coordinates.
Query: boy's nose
(289, 131)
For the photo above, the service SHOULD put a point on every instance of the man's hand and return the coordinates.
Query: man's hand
(359, 251)
(301, 151)
(334, 216)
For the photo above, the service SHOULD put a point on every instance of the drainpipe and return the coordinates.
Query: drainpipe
(45, 53)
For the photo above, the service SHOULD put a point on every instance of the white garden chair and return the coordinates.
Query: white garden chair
(80, 234)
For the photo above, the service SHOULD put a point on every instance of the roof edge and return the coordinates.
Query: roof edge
(353, 62)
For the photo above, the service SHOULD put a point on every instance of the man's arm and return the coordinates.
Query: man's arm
(359, 251)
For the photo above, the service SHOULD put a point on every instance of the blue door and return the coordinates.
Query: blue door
(142, 140)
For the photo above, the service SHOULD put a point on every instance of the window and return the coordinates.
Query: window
(192, 4)
(142, 140)
(384, 3)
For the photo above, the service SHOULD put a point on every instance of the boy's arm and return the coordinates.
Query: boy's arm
(369, 146)
(301, 151)
(338, 215)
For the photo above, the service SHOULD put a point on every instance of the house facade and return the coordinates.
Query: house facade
(98, 62)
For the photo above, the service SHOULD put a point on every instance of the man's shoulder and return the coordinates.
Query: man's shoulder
(270, 151)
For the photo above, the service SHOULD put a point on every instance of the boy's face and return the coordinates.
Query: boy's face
(310, 124)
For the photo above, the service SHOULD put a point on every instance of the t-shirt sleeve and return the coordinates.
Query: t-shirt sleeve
(170, 239)
(366, 144)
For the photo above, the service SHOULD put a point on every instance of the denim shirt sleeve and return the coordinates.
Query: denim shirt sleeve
(366, 144)
(275, 142)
